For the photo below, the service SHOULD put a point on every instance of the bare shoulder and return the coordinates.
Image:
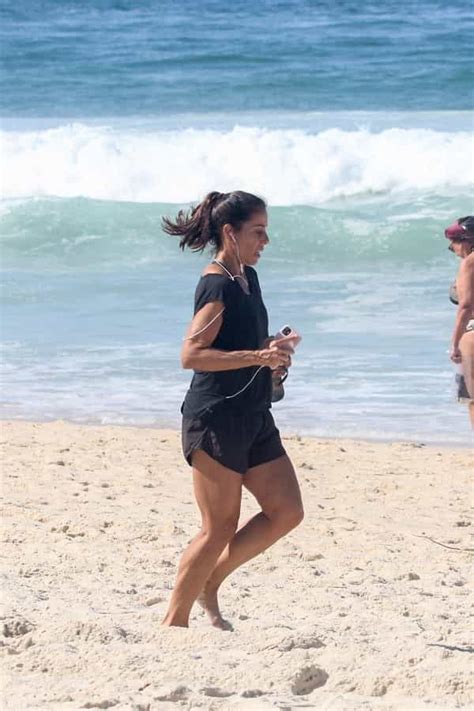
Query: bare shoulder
(465, 281)
(470, 262)
(211, 269)
(467, 266)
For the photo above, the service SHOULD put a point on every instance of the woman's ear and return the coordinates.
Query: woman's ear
(228, 232)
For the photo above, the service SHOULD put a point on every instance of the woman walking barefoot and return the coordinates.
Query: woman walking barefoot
(228, 433)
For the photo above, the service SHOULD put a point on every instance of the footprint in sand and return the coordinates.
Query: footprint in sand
(172, 692)
(216, 693)
(308, 679)
(92, 632)
(300, 641)
(16, 627)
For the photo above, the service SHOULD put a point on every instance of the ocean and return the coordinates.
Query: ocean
(354, 121)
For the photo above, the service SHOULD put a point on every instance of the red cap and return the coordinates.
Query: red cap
(456, 231)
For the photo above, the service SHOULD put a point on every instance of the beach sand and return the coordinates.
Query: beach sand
(364, 606)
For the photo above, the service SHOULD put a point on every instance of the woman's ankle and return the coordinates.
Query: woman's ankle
(175, 619)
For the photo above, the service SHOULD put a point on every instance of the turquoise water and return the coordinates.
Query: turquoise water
(353, 122)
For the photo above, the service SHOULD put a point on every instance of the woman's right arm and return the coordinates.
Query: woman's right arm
(197, 353)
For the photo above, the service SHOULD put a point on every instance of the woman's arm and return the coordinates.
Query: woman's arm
(465, 310)
(197, 353)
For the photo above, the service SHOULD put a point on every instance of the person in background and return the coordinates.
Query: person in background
(461, 241)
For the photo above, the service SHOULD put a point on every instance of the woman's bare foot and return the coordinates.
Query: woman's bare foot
(208, 601)
(172, 621)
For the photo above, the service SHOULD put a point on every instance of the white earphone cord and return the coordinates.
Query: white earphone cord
(229, 397)
(189, 338)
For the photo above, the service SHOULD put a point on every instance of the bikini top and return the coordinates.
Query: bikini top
(453, 293)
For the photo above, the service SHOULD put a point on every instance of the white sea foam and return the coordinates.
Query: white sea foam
(286, 166)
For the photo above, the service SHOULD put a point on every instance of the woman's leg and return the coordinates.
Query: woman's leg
(276, 489)
(466, 347)
(218, 493)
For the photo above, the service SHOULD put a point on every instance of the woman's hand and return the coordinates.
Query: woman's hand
(280, 372)
(285, 343)
(455, 354)
(267, 341)
(274, 357)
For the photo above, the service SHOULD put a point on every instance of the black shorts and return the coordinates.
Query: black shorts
(237, 441)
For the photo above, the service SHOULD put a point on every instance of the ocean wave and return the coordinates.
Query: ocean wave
(100, 235)
(286, 166)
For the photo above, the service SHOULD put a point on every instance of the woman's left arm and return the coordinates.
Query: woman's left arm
(465, 289)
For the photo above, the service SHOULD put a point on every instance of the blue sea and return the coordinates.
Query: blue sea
(353, 119)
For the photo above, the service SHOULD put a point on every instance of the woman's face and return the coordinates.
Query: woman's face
(252, 237)
(460, 248)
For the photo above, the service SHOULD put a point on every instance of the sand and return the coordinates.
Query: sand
(364, 606)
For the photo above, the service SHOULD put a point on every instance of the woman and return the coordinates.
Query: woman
(229, 437)
(461, 238)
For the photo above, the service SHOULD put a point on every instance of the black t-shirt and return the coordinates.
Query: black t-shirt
(244, 327)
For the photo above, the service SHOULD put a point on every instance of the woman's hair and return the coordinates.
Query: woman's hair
(468, 223)
(202, 225)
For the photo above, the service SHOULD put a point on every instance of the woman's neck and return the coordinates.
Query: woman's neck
(230, 261)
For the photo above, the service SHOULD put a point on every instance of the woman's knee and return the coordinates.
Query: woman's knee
(220, 529)
(295, 515)
(288, 516)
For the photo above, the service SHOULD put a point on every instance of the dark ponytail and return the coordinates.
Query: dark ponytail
(202, 225)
